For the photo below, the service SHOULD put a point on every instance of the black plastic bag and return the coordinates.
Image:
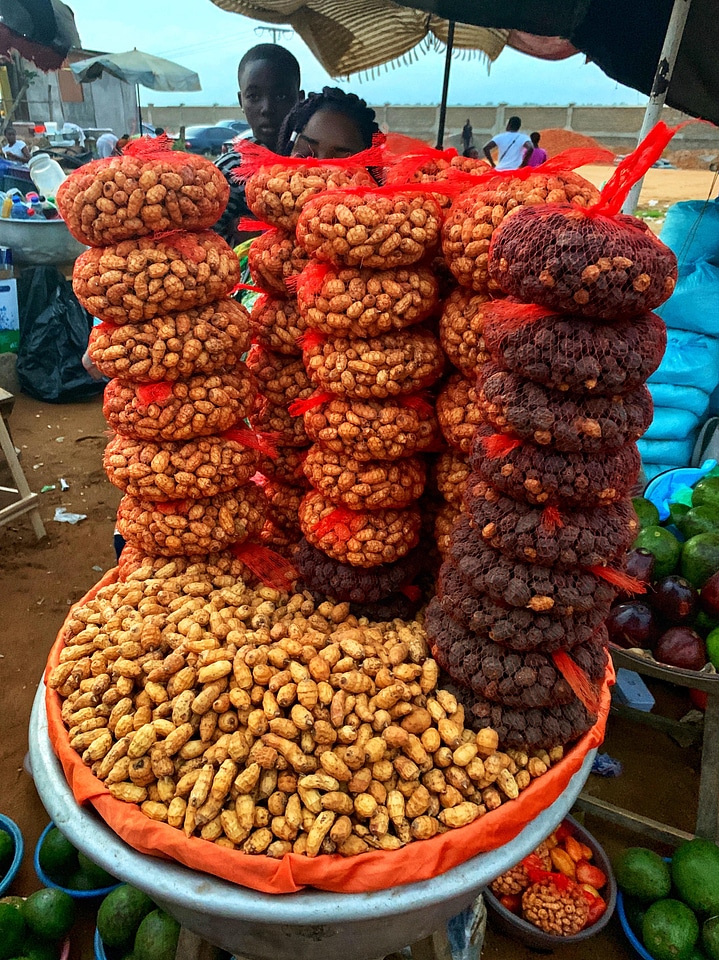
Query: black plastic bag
(54, 330)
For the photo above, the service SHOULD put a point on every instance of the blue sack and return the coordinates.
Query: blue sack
(670, 423)
(677, 453)
(691, 359)
(682, 398)
(693, 305)
(691, 229)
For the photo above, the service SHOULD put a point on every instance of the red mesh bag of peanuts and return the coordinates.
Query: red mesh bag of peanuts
(364, 484)
(389, 365)
(461, 330)
(136, 280)
(277, 188)
(182, 470)
(182, 409)
(361, 538)
(149, 189)
(191, 528)
(356, 302)
(278, 325)
(380, 229)
(476, 213)
(205, 340)
(274, 257)
(458, 412)
(417, 163)
(572, 353)
(594, 262)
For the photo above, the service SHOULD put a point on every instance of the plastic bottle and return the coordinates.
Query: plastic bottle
(6, 208)
(46, 173)
(49, 209)
(19, 209)
(33, 200)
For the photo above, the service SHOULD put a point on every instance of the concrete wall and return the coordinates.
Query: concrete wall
(615, 127)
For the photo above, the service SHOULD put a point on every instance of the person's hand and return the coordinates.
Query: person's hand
(90, 367)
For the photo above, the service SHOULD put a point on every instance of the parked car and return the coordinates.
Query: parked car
(207, 140)
(238, 126)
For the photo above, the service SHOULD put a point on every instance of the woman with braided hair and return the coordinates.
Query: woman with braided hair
(329, 126)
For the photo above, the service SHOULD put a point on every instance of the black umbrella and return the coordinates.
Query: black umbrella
(42, 31)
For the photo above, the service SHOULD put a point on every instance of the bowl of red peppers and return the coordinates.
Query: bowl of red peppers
(563, 892)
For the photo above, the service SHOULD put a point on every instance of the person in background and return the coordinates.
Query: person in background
(511, 147)
(179, 143)
(330, 125)
(537, 155)
(106, 144)
(268, 77)
(15, 149)
(122, 143)
(159, 131)
(472, 153)
(467, 137)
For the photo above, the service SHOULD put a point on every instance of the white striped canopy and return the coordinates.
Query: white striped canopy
(351, 36)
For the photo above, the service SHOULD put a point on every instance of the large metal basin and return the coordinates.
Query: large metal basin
(311, 925)
(40, 242)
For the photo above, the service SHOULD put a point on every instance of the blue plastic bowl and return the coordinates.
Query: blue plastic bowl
(48, 882)
(626, 927)
(9, 826)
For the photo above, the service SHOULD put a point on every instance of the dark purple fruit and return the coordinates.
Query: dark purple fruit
(681, 647)
(709, 597)
(632, 624)
(640, 564)
(675, 599)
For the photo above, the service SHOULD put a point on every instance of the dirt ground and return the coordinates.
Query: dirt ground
(39, 581)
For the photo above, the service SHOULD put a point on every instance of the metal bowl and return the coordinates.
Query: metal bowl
(40, 243)
(309, 925)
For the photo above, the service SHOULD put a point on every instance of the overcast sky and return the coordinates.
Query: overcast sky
(210, 41)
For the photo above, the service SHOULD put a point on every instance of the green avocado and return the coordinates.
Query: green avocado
(706, 491)
(704, 519)
(642, 874)
(670, 930)
(121, 913)
(646, 512)
(665, 547)
(710, 937)
(157, 937)
(700, 558)
(695, 874)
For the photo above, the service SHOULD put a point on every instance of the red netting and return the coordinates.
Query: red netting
(275, 419)
(461, 330)
(365, 484)
(584, 536)
(121, 198)
(177, 346)
(542, 476)
(389, 365)
(451, 473)
(273, 258)
(277, 188)
(278, 325)
(568, 422)
(281, 379)
(373, 429)
(279, 541)
(519, 680)
(377, 230)
(342, 582)
(360, 538)
(595, 266)
(558, 593)
(136, 280)
(178, 471)
(365, 303)
(513, 627)
(284, 465)
(186, 409)
(475, 215)
(193, 527)
(283, 504)
(458, 412)
(567, 352)
(221, 569)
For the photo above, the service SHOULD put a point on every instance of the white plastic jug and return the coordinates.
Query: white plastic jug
(46, 173)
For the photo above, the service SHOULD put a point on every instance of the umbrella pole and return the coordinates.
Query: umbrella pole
(445, 85)
(139, 109)
(662, 79)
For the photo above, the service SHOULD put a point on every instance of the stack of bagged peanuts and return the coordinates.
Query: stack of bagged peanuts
(172, 342)
(363, 298)
(276, 190)
(466, 235)
(533, 566)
